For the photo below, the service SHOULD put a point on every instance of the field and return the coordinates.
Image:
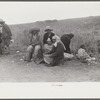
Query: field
(86, 30)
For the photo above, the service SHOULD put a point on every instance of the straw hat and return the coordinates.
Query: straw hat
(34, 29)
(48, 28)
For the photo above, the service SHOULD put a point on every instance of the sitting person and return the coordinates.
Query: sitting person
(56, 55)
(83, 55)
(48, 34)
(34, 50)
(48, 46)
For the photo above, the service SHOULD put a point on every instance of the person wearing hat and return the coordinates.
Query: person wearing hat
(34, 50)
(6, 34)
(49, 34)
(66, 40)
(48, 46)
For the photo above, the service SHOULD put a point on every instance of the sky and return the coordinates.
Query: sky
(27, 12)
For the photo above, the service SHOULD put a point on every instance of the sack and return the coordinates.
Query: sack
(68, 56)
(47, 59)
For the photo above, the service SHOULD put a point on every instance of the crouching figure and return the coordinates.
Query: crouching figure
(83, 56)
(34, 50)
(56, 55)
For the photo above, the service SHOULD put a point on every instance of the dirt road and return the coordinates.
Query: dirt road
(14, 69)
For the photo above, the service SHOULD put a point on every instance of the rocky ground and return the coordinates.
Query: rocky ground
(14, 69)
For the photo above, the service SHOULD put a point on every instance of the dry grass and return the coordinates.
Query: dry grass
(86, 30)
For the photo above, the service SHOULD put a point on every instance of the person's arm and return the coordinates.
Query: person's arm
(86, 54)
(58, 51)
(0, 34)
(37, 41)
(31, 37)
(7, 29)
(51, 51)
(45, 39)
(52, 34)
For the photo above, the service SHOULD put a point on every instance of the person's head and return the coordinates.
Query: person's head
(82, 46)
(1, 21)
(55, 38)
(48, 29)
(49, 41)
(34, 31)
(71, 35)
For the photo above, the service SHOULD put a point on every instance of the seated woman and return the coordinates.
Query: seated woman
(83, 56)
(48, 46)
(56, 55)
(34, 50)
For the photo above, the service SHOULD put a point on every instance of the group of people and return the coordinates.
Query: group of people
(53, 49)
(50, 51)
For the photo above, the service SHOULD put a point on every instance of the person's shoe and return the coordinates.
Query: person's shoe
(26, 60)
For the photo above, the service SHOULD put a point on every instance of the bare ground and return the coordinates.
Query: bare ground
(14, 69)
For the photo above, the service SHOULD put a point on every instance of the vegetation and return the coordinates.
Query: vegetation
(86, 30)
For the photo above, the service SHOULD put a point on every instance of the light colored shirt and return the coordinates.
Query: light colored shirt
(83, 53)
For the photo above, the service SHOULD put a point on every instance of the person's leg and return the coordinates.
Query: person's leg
(58, 60)
(68, 50)
(6, 43)
(54, 62)
(29, 53)
(83, 60)
(36, 50)
(37, 54)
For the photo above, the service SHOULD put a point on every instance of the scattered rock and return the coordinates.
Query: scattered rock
(17, 51)
(21, 59)
(12, 61)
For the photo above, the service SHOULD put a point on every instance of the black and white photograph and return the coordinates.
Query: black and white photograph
(49, 42)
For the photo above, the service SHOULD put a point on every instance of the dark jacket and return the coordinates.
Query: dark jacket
(35, 41)
(6, 31)
(57, 53)
(0, 37)
(66, 39)
(46, 36)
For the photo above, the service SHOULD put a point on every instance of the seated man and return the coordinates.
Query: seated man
(83, 55)
(56, 55)
(48, 34)
(34, 50)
